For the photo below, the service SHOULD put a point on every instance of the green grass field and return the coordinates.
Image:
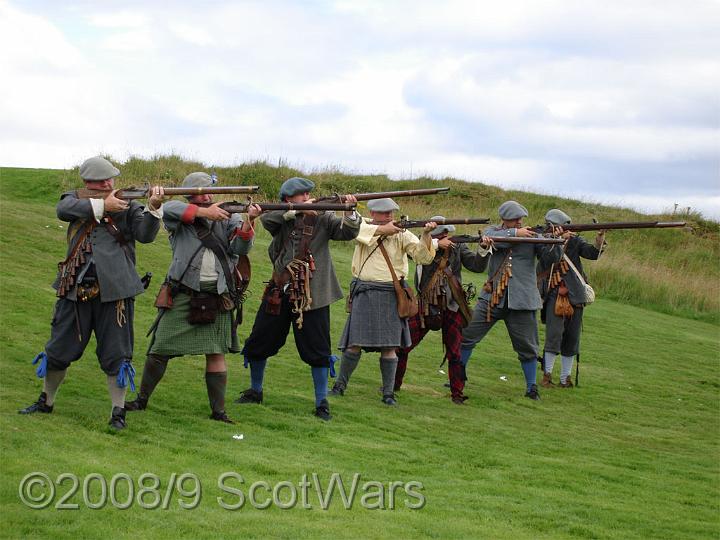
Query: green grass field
(634, 452)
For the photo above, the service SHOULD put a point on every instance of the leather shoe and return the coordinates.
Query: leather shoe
(221, 417)
(533, 393)
(40, 406)
(547, 381)
(250, 396)
(322, 411)
(137, 404)
(117, 418)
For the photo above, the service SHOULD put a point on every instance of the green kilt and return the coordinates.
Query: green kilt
(175, 336)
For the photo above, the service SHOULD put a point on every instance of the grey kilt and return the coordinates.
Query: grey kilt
(373, 322)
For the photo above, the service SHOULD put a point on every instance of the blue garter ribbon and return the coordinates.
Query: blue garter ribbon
(333, 359)
(127, 373)
(41, 370)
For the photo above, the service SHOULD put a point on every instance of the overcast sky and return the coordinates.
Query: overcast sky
(612, 101)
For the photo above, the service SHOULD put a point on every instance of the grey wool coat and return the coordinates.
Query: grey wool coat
(522, 291)
(576, 248)
(114, 265)
(324, 286)
(185, 243)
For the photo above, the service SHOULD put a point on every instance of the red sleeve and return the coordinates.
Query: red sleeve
(189, 214)
(245, 235)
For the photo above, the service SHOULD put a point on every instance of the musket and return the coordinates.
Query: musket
(468, 239)
(234, 207)
(577, 227)
(142, 193)
(383, 194)
(405, 223)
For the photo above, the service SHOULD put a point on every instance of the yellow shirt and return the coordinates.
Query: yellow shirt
(398, 247)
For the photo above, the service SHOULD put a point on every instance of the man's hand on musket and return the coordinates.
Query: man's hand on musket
(157, 196)
(446, 243)
(525, 232)
(213, 213)
(253, 211)
(349, 199)
(486, 242)
(113, 204)
(429, 226)
(387, 229)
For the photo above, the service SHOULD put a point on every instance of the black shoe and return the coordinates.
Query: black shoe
(338, 389)
(322, 411)
(117, 419)
(40, 406)
(137, 404)
(250, 396)
(221, 417)
(533, 393)
(389, 400)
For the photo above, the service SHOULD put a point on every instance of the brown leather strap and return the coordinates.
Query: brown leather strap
(396, 282)
(117, 235)
(305, 225)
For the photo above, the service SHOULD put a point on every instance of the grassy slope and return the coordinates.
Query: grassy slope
(633, 452)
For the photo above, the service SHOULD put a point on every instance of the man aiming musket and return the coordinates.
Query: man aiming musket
(511, 292)
(301, 289)
(443, 304)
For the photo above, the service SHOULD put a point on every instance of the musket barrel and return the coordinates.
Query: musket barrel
(218, 190)
(131, 193)
(236, 207)
(623, 225)
(409, 223)
(466, 239)
(386, 194)
(406, 193)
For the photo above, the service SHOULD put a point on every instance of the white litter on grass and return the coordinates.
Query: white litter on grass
(47, 226)
(60, 226)
(503, 378)
(441, 372)
(239, 437)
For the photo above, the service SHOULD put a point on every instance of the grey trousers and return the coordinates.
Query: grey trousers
(521, 326)
(562, 336)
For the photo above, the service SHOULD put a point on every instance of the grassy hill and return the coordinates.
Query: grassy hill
(632, 452)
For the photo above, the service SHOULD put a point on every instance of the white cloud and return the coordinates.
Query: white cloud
(119, 19)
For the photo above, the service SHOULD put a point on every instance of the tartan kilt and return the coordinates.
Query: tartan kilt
(174, 336)
(373, 323)
(452, 326)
